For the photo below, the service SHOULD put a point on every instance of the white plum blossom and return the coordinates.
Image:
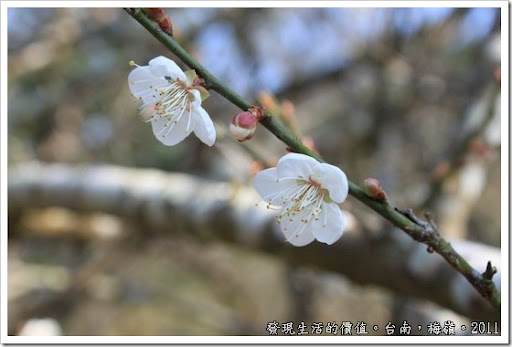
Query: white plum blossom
(307, 194)
(171, 101)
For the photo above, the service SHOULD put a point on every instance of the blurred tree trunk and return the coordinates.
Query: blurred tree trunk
(220, 211)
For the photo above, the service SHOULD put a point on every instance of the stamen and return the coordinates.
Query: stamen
(306, 196)
(298, 232)
(165, 128)
(165, 98)
(189, 119)
(325, 220)
(283, 193)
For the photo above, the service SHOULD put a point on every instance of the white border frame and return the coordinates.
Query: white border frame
(504, 338)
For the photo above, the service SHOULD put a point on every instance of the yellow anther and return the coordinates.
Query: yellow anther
(132, 63)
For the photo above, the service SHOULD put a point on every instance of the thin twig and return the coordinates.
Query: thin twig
(419, 230)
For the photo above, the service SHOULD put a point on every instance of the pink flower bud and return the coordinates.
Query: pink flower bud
(243, 126)
(373, 188)
(288, 110)
(267, 100)
(158, 16)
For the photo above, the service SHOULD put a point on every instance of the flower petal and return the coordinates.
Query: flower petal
(144, 84)
(203, 125)
(162, 66)
(170, 133)
(296, 165)
(272, 191)
(332, 179)
(329, 224)
(296, 231)
(197, 97)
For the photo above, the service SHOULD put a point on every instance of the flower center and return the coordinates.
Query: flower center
(314, 183)
(305, 199)
(175, 102)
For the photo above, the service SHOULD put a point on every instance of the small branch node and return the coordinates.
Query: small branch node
(410, 214)
(429, 228)
(132, 11)
(489, 272)
(429, 219)
(258, 112)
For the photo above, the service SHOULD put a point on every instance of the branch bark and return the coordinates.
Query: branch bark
(177, 203)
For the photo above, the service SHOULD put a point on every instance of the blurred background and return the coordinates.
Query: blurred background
(406, 95)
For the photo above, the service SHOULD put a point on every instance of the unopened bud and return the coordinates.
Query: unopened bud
(158, 16)
(309, 143)
(267, 101)
(481, 149)
(373, 189)
(255, 167)
(243, 126)
(440, 171)
(288, 110)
